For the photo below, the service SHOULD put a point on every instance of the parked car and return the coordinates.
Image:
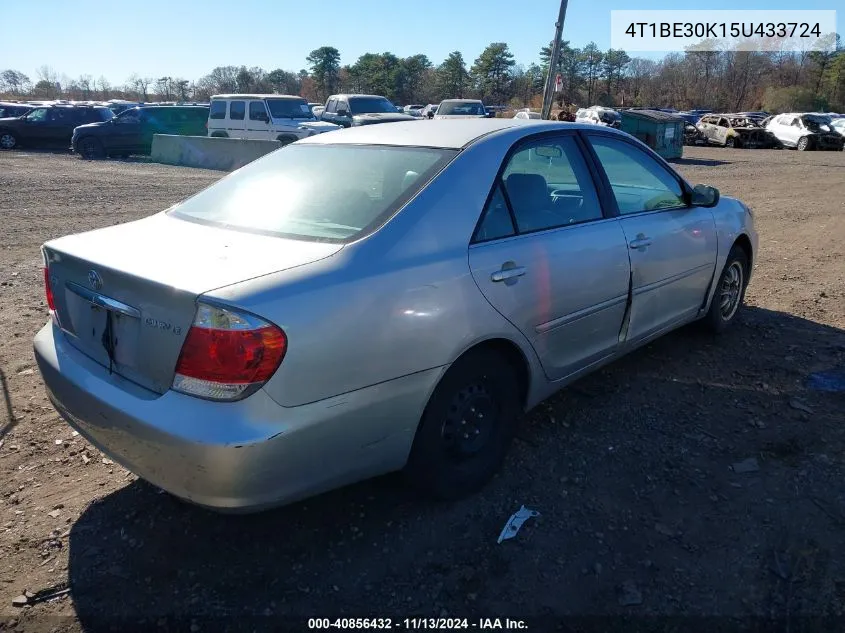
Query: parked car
(10, 110)
(839, 125)
(461, 109)
(48, 126)
(805, 132)
(353, 110)
(257, 360)
(527, 114)
(131, 131)
(414, 110)
(266, 117)
(736, 130)
(599, 116)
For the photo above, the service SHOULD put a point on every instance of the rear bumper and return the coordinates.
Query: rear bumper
(245, 455)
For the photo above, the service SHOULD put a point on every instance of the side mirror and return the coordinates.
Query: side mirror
(343, 112)
(704, 196)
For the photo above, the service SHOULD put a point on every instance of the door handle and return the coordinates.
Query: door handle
(508, 273)
(640, 243)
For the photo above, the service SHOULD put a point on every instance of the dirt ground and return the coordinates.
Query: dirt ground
(644, 521)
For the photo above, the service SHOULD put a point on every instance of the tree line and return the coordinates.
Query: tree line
(774, 80)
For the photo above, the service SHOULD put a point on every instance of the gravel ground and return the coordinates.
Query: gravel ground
(642, 511)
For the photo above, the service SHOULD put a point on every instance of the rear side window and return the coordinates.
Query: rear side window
(237, 110)
(257, 111)
(218, 110)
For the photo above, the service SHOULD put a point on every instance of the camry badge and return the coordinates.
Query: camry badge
(94, 280)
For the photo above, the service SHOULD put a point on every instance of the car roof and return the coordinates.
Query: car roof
(444, 133)
(256, 96)
(351, 96)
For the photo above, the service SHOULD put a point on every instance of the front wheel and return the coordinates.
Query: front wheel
(730, 291)
(90, 148)
(8, 140)
(466, 428)
(731, 143)
(803, 144)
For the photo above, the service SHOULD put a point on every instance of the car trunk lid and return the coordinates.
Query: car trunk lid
(126, 295)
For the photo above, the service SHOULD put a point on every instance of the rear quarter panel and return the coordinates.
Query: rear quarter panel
(397, 302)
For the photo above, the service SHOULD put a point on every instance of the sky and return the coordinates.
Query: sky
(187, 38)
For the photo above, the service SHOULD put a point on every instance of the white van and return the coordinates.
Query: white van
(284, 118)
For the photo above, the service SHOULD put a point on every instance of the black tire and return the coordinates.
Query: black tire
(466, 428)
(90, 148)
(286, 139)
(720, 315)
(8, 140)
(731, 142)
(804, 144)
(219, 135)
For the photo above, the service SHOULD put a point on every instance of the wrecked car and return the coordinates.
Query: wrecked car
(806, 132)
(693, 136)
(735, 130)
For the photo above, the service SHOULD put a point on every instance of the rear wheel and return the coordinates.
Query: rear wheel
(466, 428)
(803, 144)
(730, 291)
(90, 148)
(731, 142)
(8, 140)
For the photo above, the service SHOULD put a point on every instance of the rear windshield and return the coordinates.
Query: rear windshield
(289, 109)
(330, 193)
(456, 108)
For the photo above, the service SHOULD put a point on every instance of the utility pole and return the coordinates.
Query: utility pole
(549, 92)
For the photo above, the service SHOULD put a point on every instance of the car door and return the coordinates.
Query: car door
(35, 126)
(125, 132)
(547, 259)
(237, 119)
(672, 246)
(258, 120)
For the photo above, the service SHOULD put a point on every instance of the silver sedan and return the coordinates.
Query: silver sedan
(387, 297)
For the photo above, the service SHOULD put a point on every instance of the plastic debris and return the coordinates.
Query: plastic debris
(515, 522)
(832, 381)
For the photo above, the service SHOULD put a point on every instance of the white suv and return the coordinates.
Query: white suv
(282, 118)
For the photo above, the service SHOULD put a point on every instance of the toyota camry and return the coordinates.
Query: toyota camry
(382, 298)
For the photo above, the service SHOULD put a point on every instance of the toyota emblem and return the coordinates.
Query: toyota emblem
(94, 280)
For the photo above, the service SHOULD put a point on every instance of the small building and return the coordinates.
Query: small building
(661, 131)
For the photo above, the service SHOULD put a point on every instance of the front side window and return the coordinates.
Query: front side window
(217, 110)
(639, 183)
(128, 117)
(328, 193)
(331, 106)
(237, 110)
(257, 111)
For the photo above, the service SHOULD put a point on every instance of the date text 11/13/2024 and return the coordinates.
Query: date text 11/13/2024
(418, 624)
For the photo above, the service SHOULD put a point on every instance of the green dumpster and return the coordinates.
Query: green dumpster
(661, 131)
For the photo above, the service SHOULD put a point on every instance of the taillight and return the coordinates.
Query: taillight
(48, 289)
(227, 355)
